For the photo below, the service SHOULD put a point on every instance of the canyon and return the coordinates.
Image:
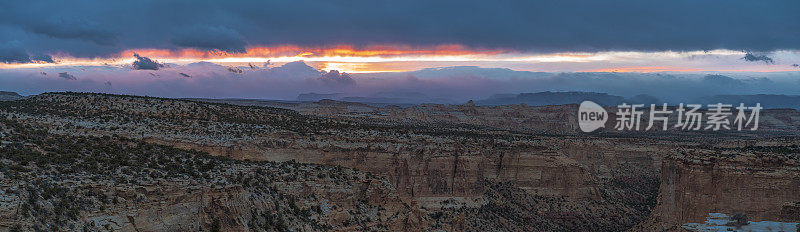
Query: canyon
(424, 167)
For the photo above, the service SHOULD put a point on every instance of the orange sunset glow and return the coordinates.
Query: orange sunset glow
(384, 51)
(396, 58)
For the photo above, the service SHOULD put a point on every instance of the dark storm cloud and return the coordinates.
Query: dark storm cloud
(43, 58)
(67, 76)
(210, 38)
(235, 70)
(98, 28)
(13, 52)
(144, 63)
(65, 28)
(755, 58)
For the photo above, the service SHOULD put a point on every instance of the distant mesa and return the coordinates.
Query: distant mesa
(768, 101)
(643, 99)
(381, 100)
(312, 97)
(551, 98)
(10, 96)
(377, 99)
(722, 81)
(529, 99)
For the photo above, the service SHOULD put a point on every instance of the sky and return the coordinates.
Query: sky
(279, 49)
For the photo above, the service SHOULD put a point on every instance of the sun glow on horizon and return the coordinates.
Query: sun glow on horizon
(405, 58)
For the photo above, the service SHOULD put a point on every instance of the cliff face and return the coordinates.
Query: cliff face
(181, 207)
(52, 182)
(460, 175)
(571, 167)
(239, 209)
(765, 185)
(574, 169)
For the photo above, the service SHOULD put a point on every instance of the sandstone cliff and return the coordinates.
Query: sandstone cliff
(761, 181)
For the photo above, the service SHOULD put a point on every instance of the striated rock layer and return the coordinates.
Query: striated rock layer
(425, 167)
(762, 182)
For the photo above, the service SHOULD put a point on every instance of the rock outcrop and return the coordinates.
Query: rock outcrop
(763, 182)
(9, 96)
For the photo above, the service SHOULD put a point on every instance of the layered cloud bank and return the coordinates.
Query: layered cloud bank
(93, 28)
(370, 49)
(438, 85)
